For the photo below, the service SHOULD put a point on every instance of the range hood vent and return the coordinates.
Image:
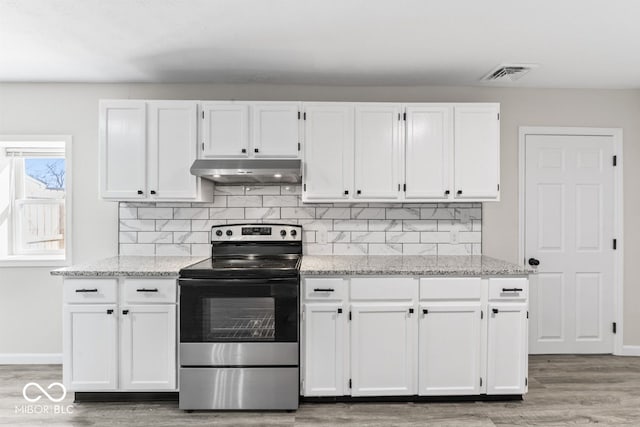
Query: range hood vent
(508, 72)
(249, 171)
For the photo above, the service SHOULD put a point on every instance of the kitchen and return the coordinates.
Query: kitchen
(376, 229)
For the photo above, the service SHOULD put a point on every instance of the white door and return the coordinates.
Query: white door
(449, 349)
(172, 149)
(328, 151)
(429, 133)
(275, 129)
(569, 197)
(148, 347)
(90, 347)
(507, 349)
(383, 360)
(477, 151)
(123, 149)
(225, 129)
(323, 345)
(377, 151)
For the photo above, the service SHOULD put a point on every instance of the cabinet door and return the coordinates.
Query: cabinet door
(90, 347)
(172, 149)
(383, 338)
(477, 151)
(225, 129)
(123, 149)
(328, 152)
(428, 152)
(377, 151)
(148, 347)
(323, 343)
(275, 129)
(449, 350)
(507, 349)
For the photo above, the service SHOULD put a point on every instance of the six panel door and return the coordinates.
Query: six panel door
(225, 129)
(449, 350)
(123, 149)
(90, 347)
(148, 347)
(172, 149)
(428, 152)
(275, 129)
(377, 151)
(477, 151)
(328, 151)
(324, 352)
(383, 337)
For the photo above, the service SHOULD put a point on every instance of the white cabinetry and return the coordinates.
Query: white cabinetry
(383, 336)
(323, 333)
(146, 150)
(276, 130)
(119, 334)
(450, 342)
(477, 151)
(428, 148)
(225, 129)
(328, 151)
(377, 151)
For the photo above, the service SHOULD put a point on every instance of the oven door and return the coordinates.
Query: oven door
(239, 322)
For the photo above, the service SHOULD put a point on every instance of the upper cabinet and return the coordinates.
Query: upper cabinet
(147, 149)
(477, 151)
(328, 151)
(239, 129)
(403, 153)
(377, 151)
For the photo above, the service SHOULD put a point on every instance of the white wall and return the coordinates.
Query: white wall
(30, 300)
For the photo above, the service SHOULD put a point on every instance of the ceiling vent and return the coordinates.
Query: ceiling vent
(508, 72)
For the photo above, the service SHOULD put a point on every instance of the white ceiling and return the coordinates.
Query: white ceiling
(577, 43)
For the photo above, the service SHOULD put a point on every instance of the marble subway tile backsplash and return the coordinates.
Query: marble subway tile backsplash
(163, 228)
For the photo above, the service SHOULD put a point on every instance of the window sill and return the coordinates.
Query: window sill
(34, 261)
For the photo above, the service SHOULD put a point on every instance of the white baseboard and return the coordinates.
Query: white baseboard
(630, 350)
(30, 358)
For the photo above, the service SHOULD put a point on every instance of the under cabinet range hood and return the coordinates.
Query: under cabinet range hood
(249, 171)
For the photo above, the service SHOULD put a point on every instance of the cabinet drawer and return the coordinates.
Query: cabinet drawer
(136, 291)
(388, 289)
(325, 289)
(454, 288)
(508, 289)
(90, 291)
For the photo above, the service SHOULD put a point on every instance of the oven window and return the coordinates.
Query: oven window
(239, 319)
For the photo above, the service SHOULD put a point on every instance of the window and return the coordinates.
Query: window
(35, 200)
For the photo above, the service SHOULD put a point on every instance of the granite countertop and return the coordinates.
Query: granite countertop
(410, 265)
(130, 266)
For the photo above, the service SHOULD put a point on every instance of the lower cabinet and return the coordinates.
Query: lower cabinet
(404, 336)
(125, 343)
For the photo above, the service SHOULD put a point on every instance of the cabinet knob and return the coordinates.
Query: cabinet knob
(411, 311)
(459, 192)
(534, 262)
(244, 150)
(446, 193)
(494, 310)
(110, 311)
(140, 192)
(153, 191)
(255, 150)
(358, 192)
(346, 192)
(339, 311)
(125, 312)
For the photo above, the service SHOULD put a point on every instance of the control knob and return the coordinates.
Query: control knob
(229, 232)
(283, 233)
(293, 233)
(219, 233)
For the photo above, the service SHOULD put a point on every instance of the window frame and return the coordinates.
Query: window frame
(39, 259)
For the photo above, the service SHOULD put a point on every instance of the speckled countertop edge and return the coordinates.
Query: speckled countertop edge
(133, 266)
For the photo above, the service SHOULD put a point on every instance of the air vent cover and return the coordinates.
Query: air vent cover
(508, 72)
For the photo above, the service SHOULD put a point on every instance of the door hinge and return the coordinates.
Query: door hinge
(302, 315)
(298, 146)
(404, 187)
(298, 115)
(498, 116)
(304, 116)
(203, 115)
(350, 315)
(350, 383)
(615, 328)
(615, 160)
(301, 386)
(399, 116)
(404, 117)
(615, 244)
(482, 317)
(398, 187)
(304, 187)
(526, 381)
(203, 146)
(480, 381)
(498, 187)
(527, 314)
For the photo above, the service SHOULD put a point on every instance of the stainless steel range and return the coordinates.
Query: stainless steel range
(239, 320)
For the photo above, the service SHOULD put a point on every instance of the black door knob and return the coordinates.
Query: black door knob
(359, 192)
(153, 191)
(255, 150)
(534, 262)
(140, 192)
(447, 192)
(244, 150)
(459, 192)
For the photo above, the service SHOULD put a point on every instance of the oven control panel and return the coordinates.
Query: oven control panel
(256, 232)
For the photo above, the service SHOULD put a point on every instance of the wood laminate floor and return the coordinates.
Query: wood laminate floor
(563, 390)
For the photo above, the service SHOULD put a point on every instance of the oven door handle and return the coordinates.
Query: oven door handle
(226, 282)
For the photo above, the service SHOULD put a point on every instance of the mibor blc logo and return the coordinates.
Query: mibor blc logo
(33, 393)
